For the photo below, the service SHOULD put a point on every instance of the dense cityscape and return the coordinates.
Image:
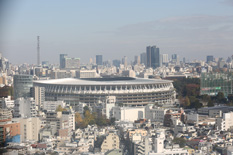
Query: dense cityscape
(154, 105)
(125, 77)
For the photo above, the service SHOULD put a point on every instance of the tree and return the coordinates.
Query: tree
(194, 102)
(186, 102)
(59, 108)
(230, 97)
(220, 97)
(206, 98)
(86, 108)
(210, 103)
(78, 119)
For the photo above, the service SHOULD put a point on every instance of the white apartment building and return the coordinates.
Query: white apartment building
(155, 114)
(39, 94)
(68, 120)
(6, 102)
(128, 113)
(224, 123)
(159, 148)
(108, 105)
(86, 73)
(25, 108)
(52, 105)
(5, 114)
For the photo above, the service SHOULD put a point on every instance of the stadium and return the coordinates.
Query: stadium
(131, 91)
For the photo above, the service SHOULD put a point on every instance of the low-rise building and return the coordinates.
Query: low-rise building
(128, 113)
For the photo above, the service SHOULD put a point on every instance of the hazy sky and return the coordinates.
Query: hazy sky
(190, 28)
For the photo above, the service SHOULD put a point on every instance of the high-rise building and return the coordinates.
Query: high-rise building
(209, 58)
(22, 85)
(153, 56)
(62, 60)
(143, 58)
(136, 60)
(39, 95)
(148, 56)
(184, 60)
(165, 58)
(175, 59)
(116, 63)
(124, 61)
(99, 59)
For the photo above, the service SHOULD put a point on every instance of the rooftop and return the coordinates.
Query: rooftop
(101, 81)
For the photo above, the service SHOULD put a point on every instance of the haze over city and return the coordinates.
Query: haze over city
(191, 29)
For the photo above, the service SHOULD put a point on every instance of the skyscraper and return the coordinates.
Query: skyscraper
(175, 59)
(143, 58)
(164, 58)
(148, 56)
(62, 60)
(99, 59)
(153, 56)
(209, 58)
(136, 60)
(124, 61)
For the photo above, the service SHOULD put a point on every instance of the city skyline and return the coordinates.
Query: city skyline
(115, 29)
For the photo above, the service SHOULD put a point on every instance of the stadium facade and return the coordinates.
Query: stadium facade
(131, 91)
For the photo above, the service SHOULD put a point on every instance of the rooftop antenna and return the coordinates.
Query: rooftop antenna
(38, 50)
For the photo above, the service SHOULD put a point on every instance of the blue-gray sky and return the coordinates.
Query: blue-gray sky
(190, 28)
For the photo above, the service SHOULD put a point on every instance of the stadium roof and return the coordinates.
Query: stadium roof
(102, 81)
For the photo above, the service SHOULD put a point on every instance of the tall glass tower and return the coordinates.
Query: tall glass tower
(22, 85)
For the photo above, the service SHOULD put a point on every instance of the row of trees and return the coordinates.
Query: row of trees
(188, 90)
(91, 118)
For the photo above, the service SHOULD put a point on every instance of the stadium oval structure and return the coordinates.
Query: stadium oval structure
(131, 91)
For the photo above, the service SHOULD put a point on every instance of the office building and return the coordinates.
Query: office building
(209, 58)
(143, 58)
(22, 85)
(62, 60)
(165, 58)
(72, 63)
(212, 83)
(148, 56)
(99, 60)
(175, 59)
(153, 57)
(136, 60)
(124, 61)
(116, 63)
